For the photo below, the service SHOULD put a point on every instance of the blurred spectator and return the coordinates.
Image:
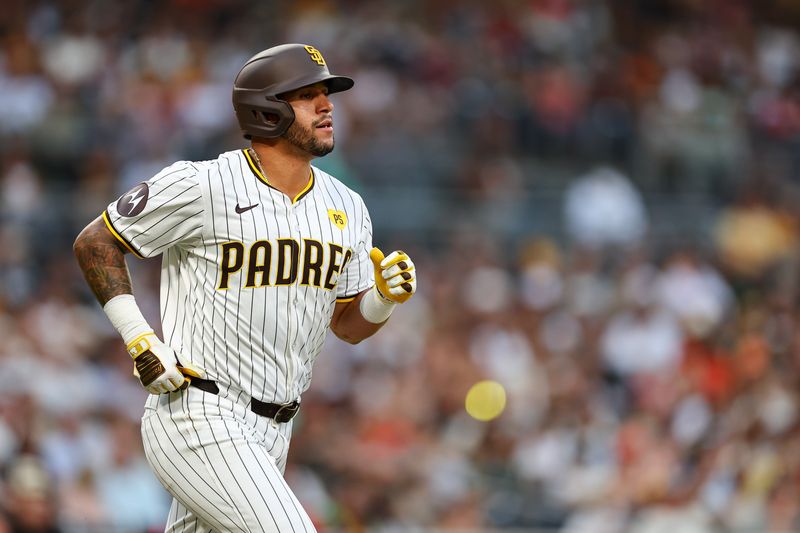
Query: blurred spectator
(694, 292)
(603, 208)
(642, 339)
(30, 501)
(752, 235)
(27, 94)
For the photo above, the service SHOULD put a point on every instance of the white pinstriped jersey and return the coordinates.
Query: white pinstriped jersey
(249, 276)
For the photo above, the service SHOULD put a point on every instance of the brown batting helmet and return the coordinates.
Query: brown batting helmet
(272, 72)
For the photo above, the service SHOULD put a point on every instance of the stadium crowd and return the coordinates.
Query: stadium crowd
(535, 158)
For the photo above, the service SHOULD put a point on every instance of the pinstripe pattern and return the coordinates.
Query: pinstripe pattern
(262, 340)
(222, 463)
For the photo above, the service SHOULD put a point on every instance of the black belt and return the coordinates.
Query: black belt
(278, 412)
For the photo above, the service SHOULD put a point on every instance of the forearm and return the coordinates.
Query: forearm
(102, 261)
(350, 325)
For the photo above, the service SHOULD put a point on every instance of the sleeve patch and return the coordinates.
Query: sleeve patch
(133, 202)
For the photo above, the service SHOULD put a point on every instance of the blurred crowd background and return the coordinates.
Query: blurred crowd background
(602, 198)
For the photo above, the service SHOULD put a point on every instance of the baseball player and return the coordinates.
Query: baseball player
(261, 254)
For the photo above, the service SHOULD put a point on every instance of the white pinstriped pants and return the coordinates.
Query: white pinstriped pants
(222, 463)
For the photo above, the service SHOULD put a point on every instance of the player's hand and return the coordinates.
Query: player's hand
(156, 365)
(395, 275)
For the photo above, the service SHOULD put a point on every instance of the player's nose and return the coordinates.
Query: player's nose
(324, 104)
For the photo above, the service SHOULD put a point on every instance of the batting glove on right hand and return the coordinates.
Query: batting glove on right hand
(156, 365)
(395, 275)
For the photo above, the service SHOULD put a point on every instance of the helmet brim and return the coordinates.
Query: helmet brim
(336, 84)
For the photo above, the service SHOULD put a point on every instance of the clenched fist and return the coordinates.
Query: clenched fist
(395, 275)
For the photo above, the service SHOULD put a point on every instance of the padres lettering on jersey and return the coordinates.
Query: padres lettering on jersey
(250, 277)
(279, 263)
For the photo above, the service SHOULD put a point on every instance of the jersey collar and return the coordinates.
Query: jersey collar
(254, 168)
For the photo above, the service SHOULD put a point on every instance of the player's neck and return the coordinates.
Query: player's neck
(283, 170)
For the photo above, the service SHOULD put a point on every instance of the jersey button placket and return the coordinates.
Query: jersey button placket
(294, 357)
(296, 229)
(292, 299)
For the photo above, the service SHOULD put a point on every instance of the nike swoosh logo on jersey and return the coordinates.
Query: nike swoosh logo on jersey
(241, 210)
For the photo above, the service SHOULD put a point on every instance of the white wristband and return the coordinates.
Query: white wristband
(125, 315)
(374, 308)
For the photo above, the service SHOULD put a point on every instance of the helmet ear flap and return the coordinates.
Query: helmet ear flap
(275, 117)
(257, 112)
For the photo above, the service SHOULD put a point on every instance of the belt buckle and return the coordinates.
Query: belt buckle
(286, 412)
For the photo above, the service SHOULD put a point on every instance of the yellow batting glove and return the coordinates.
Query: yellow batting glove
(395, 275)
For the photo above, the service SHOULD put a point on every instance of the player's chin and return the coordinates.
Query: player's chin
(320, 149)
(323, 146)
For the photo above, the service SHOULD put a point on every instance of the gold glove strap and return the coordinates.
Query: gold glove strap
(139, 345)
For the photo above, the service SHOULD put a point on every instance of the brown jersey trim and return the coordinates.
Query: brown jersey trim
(119, 237)
(262, 178)
(307, 189)
(254, 168)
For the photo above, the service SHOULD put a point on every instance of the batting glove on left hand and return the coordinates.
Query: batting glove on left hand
(395, 275)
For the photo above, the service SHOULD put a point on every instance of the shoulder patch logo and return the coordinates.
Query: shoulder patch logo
(338, 218)
(132, 202)
(316, 55)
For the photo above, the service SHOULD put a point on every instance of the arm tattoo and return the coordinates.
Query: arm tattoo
(103, 262)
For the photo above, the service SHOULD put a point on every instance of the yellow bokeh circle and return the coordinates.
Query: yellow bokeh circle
(485, 400)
